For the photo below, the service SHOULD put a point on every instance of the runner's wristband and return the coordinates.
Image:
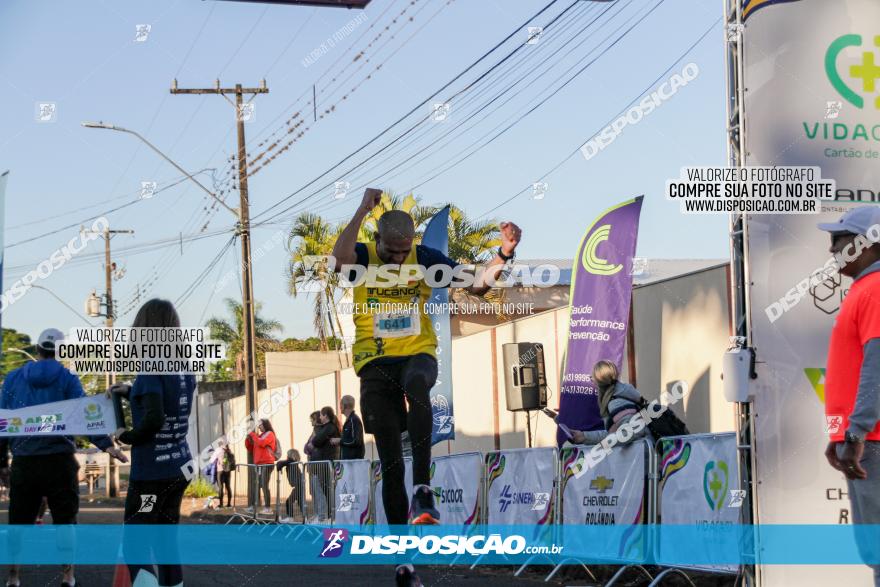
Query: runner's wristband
(504, 257)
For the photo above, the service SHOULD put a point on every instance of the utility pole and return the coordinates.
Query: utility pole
(244, 231)
(113, 477)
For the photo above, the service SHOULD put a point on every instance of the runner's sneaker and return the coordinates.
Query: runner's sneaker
(423, 510)
(405, 575)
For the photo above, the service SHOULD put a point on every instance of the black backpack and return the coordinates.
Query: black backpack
(666, 424)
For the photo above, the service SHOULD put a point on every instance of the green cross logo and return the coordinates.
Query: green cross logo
(715, 480)
(864, 74)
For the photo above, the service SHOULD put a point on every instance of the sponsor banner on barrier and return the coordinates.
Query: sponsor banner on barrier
(84, 416)
(455, 480)
(443, 428)
(699, 477)
(520, 486)
(379, 516)
(202, 544)
(601, 288)
(611, 493)
(352, 491)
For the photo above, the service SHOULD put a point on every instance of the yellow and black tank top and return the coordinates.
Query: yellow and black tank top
(389, 316)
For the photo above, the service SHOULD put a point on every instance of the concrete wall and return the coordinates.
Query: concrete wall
(681, 330)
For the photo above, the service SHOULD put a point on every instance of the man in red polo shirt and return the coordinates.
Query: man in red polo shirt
(852, 376)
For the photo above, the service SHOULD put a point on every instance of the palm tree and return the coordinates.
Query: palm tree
(409, 204)
(310, 239)
(473, 242)
(230, 332)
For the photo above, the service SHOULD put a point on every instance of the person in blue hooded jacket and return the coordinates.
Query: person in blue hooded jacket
(43, 465)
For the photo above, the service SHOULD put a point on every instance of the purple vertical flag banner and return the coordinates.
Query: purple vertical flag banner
(601, 290)
(437, 237)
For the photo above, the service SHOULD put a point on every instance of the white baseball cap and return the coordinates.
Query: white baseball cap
(857, 220)
(48, 338)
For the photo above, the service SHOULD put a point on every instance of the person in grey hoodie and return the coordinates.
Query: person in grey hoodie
(618, 403)
(43, 465)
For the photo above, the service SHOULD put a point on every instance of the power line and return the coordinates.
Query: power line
(132, 250)
(435, 143)
(196, 39)
(326, 111)
(104, 213)
(322, 76)
(293, 38)
(243, 41)
(543, 101)
(533, 108)
(181, 299)
(612, 119)
(417, 107)
(43, 219)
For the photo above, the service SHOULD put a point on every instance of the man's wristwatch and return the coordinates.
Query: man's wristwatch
(504, 257)
(852, 438)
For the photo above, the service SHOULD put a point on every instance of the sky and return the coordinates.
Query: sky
(86, 59)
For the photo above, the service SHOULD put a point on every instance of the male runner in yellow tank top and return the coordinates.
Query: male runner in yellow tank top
(395, 349)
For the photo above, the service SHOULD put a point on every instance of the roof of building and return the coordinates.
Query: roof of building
(645, 271)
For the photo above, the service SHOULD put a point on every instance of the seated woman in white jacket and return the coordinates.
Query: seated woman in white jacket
(618, 403)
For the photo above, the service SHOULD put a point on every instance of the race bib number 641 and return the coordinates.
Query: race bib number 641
(396, 324)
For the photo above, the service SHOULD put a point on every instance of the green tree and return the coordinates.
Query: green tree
(16, 348)
(471, 241)
(310, 239)
(312, 343)
(231, 332)
(409, 204)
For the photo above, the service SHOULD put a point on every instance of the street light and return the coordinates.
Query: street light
(28, 355)
(68, 306)
(164, 156)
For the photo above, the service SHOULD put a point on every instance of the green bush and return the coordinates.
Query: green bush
(199, 487)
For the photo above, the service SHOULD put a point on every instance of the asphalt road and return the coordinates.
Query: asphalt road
(103, 511)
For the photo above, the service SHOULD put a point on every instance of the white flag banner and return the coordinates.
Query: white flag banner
(610, 493)
(455, 480)
(85, 416)
(380, 517)
(352, 490)
(520, 486)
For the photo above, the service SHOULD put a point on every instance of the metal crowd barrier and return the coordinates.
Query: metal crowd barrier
(290, 489)
(675, 448)
(520, 468)
(376, 494)
(318, 496)
(307, 495)
(601, 483)
(259, 499)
